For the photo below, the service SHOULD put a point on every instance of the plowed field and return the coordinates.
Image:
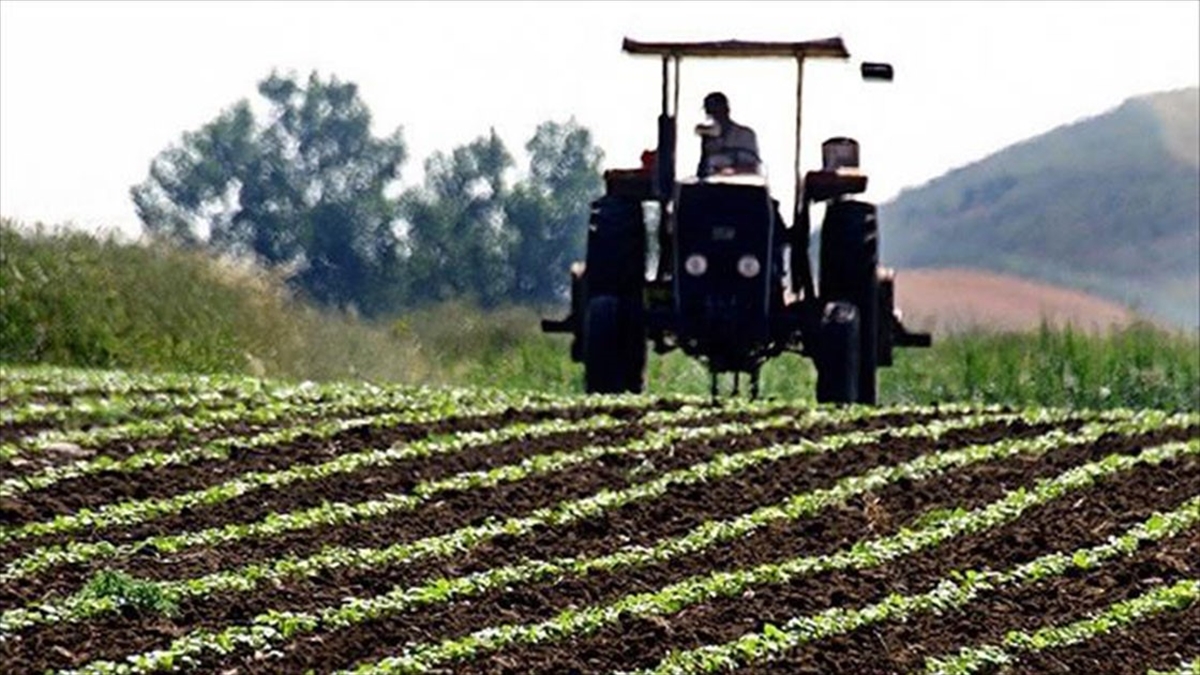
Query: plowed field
(222, 525)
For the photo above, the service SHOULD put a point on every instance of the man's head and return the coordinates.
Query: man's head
(717, 106)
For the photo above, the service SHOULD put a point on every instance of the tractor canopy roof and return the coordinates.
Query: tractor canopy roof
(827, 48)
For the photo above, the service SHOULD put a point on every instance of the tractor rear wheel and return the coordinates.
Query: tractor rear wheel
(849, 273)
(614, 345)
(838, 358)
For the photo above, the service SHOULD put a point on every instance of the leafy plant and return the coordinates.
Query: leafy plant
(129, 593)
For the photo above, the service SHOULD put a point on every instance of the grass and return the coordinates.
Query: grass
(68, 298)
(1138, 366)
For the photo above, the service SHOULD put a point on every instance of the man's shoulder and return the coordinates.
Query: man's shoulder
(735, 127)
(741, 132)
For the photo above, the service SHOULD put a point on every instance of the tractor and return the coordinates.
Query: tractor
(733, 285)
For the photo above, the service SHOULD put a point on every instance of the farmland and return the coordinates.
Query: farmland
(167, 523)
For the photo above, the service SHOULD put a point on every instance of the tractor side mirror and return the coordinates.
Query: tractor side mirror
(877, 71)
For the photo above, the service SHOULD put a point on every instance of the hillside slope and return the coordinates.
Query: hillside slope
(1109, 205)
(950, 300)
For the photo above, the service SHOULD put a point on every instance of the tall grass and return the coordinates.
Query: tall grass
(68, 298)
(1136, 366)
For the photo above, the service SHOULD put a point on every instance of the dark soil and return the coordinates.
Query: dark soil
(537, 601)
(37, 460)
(903, 647)
(1088, 519)
(449, 512)
(1161, 643)
(458, 510)
(181, 438)
(94, 490)
(1085, 518)
(34, 461)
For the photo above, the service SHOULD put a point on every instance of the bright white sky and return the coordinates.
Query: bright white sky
(91, 91)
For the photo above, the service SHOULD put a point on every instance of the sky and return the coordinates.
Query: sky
(91, 91)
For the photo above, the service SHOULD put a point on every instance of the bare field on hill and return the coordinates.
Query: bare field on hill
(957, 299)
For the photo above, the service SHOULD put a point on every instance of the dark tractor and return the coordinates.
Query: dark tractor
(733, 284)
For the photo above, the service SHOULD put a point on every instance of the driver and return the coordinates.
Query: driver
(725, 145)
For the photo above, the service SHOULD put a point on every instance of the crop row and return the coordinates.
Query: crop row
(250, 406)
(140, 511)
(191, 417)
(21, 385)
(337, 513)
(138, 398)
(332, 417)
(955, 591)
(692, 592)
(282, 404)
(566, 512)
(103, 410)
(31, 381)
(274, 627)
(281, 569)
(1162, 598)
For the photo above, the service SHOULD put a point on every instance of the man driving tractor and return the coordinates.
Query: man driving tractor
(725, 145)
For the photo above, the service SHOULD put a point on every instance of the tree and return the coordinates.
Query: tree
(547, 212)
(306, 191)
(456, 241)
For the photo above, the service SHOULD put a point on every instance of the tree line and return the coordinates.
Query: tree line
(310, 191)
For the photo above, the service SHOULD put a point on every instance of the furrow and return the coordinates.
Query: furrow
(579, 579)
(273, 627)
(110, 524)
(336, 519)
(955, 591)
(1186, 667)
(1172, 598)
(421, 407)
(677, 597)
(330, 561)
(222, 450)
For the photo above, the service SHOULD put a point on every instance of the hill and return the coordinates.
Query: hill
(1109, 205)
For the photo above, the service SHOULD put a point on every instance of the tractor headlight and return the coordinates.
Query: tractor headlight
(748, 266)
(696, 264)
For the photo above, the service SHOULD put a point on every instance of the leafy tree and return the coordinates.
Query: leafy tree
(306, 190)
(548, 210)
(456, 242)
(470, 235)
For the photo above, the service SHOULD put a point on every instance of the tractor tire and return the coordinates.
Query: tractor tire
(616, 247)
(838, 358)
(849, 261)
(614, 345)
